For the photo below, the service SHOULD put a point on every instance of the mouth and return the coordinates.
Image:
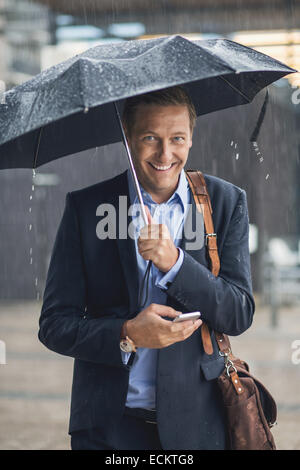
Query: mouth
(161, 167)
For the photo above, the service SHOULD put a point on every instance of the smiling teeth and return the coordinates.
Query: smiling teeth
(161, 167)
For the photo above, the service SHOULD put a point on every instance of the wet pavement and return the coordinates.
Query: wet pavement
(35, 383)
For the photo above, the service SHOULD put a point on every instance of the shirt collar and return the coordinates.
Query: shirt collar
(181, 194)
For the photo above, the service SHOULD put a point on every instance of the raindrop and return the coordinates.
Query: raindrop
(86, 109)
(36, 281)
(236, 154)
(267, 176)
(257, 151)
(30, 225)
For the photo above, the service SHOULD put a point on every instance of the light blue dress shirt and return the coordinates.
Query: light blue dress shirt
(142, 378)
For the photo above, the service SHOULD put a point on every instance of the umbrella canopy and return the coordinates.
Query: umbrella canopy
(70, 107)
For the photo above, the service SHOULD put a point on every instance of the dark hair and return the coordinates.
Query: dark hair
(167, 97)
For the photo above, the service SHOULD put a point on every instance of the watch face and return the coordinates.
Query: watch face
(126, 346)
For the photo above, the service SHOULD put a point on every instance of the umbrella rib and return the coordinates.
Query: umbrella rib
(235, 89)
(37, 147)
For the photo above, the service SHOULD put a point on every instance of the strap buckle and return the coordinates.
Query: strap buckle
(229, 365)
(228, 362)
(209, 235)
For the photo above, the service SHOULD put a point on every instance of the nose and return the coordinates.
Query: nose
(165, 154)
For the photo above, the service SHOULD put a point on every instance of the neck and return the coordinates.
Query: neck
(160, 198)
(163, 195)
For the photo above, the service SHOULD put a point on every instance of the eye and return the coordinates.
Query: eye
(149, 138)
(178, 139)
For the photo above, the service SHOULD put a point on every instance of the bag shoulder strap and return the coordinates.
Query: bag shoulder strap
(201, 197)
(203, 204)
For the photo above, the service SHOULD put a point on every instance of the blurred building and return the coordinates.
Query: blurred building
(26, 31)
(173, 16)
(35, 35)
(2, 47)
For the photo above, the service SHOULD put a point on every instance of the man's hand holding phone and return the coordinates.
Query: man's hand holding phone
(149, 329)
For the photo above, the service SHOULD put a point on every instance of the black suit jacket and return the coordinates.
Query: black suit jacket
(92, 288)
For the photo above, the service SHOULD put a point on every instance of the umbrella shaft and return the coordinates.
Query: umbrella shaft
(132, 169)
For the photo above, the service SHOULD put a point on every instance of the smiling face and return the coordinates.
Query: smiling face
(159, 141)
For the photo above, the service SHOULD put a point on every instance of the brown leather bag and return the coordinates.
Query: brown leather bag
(250, 409)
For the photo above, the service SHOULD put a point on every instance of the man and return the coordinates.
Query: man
(167, 397)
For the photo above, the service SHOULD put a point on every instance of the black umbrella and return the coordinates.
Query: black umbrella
(70, 107)
(73, 106)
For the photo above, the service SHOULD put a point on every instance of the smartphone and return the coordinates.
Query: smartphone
(187, 316)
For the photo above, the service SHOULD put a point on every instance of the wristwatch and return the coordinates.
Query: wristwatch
(126, 344)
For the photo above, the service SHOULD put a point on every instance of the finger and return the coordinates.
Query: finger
(188, 323)
(165, 311)
(150, 232)
(182, 326)
(148, 251)
(146, 244)
(147, 256)
(160, 229)
(188, 327)
(155, 231)
(164, 233)
(195, 325)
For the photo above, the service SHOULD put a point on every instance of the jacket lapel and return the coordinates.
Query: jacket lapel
(125, 244)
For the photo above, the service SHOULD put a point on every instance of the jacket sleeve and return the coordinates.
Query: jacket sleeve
(64, 327)
(225, 302)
